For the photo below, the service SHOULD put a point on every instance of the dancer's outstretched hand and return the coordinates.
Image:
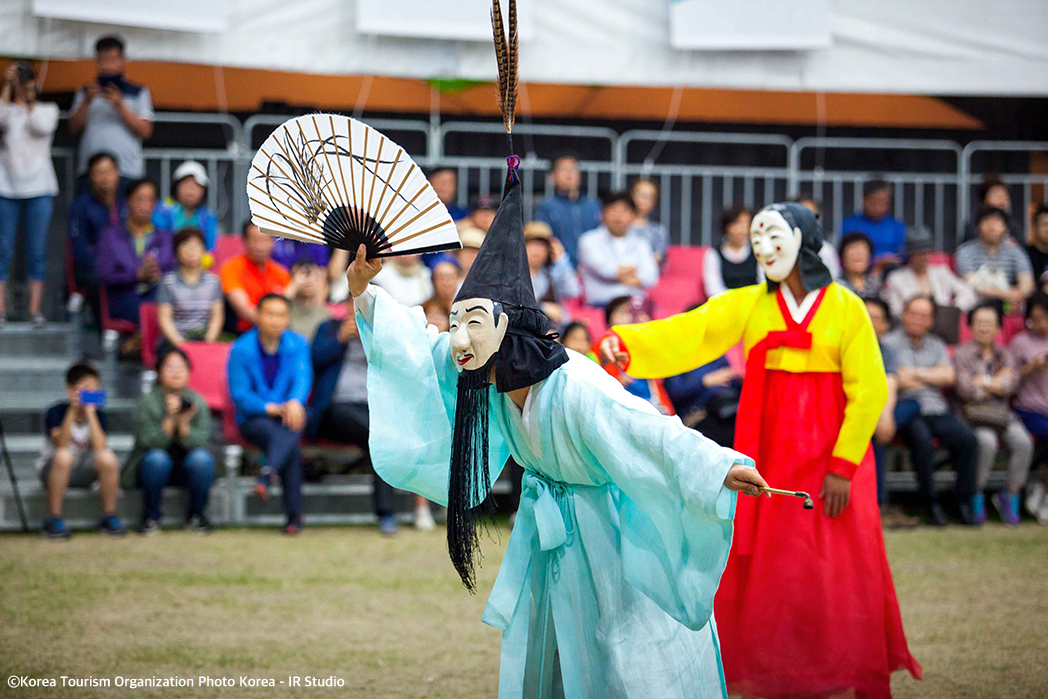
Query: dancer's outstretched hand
(836, 491)
(744, 479)
(612, 352)
(361, 271)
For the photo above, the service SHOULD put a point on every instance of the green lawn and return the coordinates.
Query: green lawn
(390, 619)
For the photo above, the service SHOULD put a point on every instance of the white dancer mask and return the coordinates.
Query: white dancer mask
(477, 328)
(775, 245)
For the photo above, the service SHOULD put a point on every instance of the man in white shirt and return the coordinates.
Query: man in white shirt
(613, 260)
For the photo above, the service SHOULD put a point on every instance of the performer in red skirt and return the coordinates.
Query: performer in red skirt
(827, 622)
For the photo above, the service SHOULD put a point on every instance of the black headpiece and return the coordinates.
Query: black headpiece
(814, 274)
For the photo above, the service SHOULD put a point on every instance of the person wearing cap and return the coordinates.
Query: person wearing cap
(187, 206)
(552, 275)
(472, 238)
(996, 269)
(920, 278)
(887, 234)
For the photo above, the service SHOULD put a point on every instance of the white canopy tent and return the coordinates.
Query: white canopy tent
(940, 47)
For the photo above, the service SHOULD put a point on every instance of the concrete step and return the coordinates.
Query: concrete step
(54, 339)
(24, 413)
(45, 376)
(25, 450)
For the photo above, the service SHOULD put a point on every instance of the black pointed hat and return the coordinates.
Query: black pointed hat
(500, 272)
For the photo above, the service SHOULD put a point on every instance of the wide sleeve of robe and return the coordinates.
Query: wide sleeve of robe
(675, 515)
(412, 389)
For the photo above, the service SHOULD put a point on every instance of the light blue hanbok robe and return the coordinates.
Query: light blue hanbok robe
(606, 588)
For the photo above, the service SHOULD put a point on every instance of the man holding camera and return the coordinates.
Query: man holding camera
(115, 114)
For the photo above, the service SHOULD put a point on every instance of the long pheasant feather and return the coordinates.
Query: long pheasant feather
(506, 57)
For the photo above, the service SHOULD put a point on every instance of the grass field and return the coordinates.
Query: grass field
(389, 617)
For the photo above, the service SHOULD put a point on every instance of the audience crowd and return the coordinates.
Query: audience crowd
(964, 340)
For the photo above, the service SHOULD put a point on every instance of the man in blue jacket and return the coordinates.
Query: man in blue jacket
(568, 212)
(338, 408)
(270, 376)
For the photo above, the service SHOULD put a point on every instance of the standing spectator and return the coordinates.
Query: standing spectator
(857, 273)
(134, 255)
(445, 285)
(27, 180)
(270, 376)
(114, 114)
(406, 279)
(91, 213)
(307, 291)
(189, 302)
(444, 181)
(567, 211)
(248, 277)
(172, 432)
(1030, 351)
(338, 406)
(613, 260)
(187, 206)
(1037, 250)
(552, 276)
(894, 411)
(992, 192)
(997, 270)
(986, 378)
(732, 265)
(645, 195)
(924, 373)
(920, 278)
(827, 253)
(76, 453)
(886, 233)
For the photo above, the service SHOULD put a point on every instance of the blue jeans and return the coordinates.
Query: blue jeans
(283, 455)
(158, 469)
(35, 215)
(905, 410)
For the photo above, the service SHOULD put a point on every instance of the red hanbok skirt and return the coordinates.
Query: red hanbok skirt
(806, 606)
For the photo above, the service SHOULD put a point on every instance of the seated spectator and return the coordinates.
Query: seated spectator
(645, 195)
(924, 373)
(613, 260)
(28, 184)
(445, 285)
(189, 301)
(1037, 250)
(992, 192)
(568, 212)
(577, 337)
(248, 277)
(857, 272)
(623, 311)
(472, 238)
(444, 181)
(307, 291)
(827, 253)
(287, 252)
(886, 233)
(892, 517)
(732, 265)
(338, 406)
(114, 114)
(707, 399)
(91, 213)
(1029, 349)
(996, 270)
(187, 206)
(552, 275)
(172, 432)
(76, 453)
(406, 279)
(986, 379)
(919, 278)
(133, 256)
(270, 376)
(484, 208)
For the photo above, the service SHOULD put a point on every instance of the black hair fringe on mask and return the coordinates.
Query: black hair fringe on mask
(469, 481)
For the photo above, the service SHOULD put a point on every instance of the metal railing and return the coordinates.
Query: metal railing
(1022, 184)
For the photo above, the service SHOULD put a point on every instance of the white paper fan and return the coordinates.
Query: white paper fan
(333, 180)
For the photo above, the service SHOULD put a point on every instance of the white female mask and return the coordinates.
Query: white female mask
(477, 327)
(775, 244)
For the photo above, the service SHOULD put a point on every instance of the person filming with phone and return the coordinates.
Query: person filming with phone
(76, 452)
(172, 432)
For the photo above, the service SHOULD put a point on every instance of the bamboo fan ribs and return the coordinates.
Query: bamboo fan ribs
(335, 181)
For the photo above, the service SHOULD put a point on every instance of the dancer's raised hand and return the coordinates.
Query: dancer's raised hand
(361, 271)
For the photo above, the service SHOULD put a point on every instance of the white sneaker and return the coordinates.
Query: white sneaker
(1035, 498)
(424, 518)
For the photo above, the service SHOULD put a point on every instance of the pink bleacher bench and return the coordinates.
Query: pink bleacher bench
(227, 246)
(149, 326)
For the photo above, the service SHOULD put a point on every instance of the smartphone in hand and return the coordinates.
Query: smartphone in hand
(95, 398)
